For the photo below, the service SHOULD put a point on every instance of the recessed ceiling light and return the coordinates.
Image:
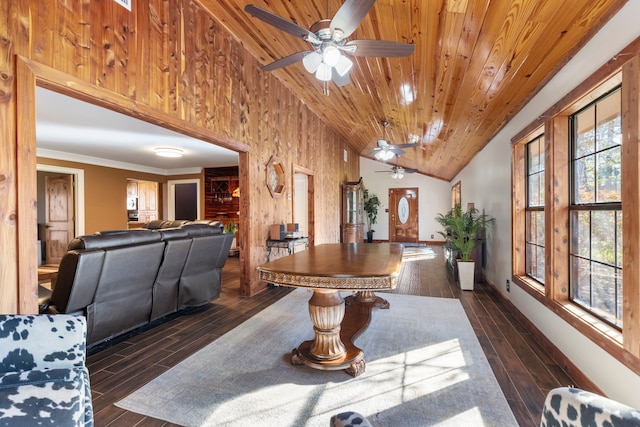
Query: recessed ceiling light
(168, 152)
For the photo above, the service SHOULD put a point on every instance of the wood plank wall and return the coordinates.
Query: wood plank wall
(166, 61)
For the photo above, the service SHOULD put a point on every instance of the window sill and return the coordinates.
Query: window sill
(601, 333)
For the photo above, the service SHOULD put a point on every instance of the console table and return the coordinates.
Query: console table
(289, 244)
(327, 269)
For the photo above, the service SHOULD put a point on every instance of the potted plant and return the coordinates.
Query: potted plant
(463, 231)
(231, 227)
(371, 205)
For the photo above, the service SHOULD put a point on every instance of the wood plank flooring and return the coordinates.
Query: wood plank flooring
(523, 369)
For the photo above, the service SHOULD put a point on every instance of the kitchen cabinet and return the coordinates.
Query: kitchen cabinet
(147, 192)
(132, 188)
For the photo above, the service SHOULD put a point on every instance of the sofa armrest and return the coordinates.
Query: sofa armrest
(30, 342)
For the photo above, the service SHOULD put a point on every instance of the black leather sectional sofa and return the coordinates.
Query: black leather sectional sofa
(123, 279)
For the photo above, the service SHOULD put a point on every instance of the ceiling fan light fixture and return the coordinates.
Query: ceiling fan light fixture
(331, 55)
(323, 73)
(168, 152)
(312, 61)
(384, 155)
(344, 65)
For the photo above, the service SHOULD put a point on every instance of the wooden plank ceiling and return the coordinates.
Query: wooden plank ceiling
(476, 63)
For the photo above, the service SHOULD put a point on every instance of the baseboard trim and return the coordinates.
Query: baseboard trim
(582, 381)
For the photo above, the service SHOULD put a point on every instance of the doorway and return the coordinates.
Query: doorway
(183, 201)
(403, 215)
(60, 209)
(303, 205)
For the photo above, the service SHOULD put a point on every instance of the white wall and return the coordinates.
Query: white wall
(434, 197)
(486, 181)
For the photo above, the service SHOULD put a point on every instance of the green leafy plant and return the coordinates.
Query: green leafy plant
(463, 229)
(371, 205)
(231, 227)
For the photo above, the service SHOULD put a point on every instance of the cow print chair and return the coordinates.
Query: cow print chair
(572, 407)
(43, 377)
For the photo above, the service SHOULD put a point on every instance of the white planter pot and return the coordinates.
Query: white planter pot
(466, 272)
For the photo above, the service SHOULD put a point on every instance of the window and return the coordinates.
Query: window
(534, 221)
(595, 211)
(584, 152)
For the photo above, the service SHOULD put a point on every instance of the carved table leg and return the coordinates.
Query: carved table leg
(326, 309)
(327, 350)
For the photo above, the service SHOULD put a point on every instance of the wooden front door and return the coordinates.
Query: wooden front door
(59, 216)
(403, 215)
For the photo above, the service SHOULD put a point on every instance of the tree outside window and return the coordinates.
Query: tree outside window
(596, 208)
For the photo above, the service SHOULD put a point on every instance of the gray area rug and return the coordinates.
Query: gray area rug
(425, 367)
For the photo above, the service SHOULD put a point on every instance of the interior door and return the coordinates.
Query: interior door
(59, 216)
(403, 215)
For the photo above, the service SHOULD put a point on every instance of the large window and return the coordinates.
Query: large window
(595, 254)
(576, 202)
(534, 253)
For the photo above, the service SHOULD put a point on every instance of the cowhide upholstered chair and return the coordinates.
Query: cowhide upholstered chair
(567, 406)
(348, 419)
(43, 377)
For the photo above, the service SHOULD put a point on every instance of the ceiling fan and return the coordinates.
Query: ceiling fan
(397, 172)
(384, 150)
(328, 39)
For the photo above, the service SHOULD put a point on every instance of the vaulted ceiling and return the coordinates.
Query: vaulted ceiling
(476, 63)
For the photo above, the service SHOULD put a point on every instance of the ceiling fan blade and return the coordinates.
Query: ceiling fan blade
(410, 170)
(278, 22)
(287, 60)
(404, 145)
(396, 151)
(338, 79)
(350, 15)
(384, 48)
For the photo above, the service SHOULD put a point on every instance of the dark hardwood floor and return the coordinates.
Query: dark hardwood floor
(523, 369)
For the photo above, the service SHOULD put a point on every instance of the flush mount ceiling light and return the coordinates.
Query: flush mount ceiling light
(168, 152)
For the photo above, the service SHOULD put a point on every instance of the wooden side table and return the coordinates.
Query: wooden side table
(288, 244)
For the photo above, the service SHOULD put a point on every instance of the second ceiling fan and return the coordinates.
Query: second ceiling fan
(328, 39)
(384, 150)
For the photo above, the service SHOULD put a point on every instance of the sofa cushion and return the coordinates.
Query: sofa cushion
(50, 397)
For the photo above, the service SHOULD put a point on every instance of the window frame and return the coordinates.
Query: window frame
(539, 139)
(593, 206)
(623, 69)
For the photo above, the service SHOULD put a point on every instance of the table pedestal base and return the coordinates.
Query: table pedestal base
(336, 327)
